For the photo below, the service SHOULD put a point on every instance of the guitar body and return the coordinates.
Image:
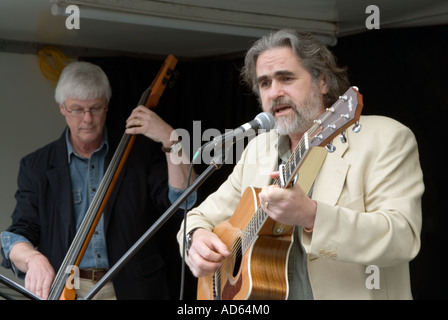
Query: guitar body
(261, 273)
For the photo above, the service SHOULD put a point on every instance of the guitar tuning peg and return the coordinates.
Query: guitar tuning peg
(357, 127)
(330, 147)
(343, 137)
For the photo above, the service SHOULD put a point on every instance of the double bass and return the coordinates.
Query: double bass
(62, 287)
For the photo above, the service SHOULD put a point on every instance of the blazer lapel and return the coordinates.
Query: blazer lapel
(331, 178)
(59, 179)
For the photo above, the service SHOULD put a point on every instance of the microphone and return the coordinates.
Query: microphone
(263, 121)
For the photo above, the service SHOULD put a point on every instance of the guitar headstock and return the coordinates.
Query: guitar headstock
(342, 114)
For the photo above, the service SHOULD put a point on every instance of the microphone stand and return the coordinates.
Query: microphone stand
(214, 165)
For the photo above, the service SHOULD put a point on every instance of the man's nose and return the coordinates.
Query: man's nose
(276, 90)
(88, 117)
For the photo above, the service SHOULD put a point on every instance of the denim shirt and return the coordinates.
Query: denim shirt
(86, 175)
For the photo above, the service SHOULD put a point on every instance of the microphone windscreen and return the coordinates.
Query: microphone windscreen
(266, 120)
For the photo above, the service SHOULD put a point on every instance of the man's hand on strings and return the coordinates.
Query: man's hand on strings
(206, 253)
(39, 272)
(290, 206)
(40, 275)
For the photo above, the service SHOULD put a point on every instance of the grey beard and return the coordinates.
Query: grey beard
(298, 121)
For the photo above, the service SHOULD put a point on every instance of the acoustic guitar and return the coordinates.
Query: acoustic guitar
(259, 246)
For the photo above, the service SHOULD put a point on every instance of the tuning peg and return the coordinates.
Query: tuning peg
(343, 137)
(357, 127)
(173, 79)
(330, 147)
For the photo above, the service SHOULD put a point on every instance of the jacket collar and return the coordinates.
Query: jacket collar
(332, 174)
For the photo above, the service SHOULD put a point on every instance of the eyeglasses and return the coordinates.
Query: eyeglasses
(80, 112)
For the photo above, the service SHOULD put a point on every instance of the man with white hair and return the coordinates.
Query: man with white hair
(57, 183)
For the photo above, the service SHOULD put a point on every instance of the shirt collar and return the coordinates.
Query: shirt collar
(71, 151)
(283, 148)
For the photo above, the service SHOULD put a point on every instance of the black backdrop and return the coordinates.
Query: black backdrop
(401, 73)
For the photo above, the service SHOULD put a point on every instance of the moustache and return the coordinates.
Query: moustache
(281, 102)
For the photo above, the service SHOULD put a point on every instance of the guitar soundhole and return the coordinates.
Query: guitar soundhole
(237, 253)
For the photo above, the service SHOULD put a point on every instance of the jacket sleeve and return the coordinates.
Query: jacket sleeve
(25, 223)
(25, 217)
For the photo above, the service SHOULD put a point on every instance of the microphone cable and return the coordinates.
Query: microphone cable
(190, 170)
(182, 279)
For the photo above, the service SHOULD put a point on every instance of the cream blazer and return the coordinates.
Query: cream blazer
(368, 218)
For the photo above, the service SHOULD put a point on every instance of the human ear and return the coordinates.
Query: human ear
(323, 84)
